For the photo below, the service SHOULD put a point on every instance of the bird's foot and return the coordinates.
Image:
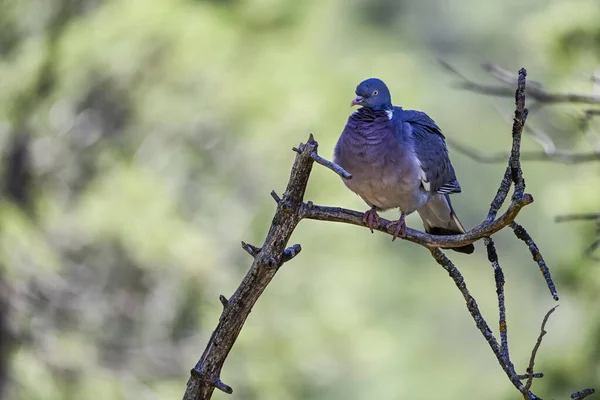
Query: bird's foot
(371, 218)
(400, 229)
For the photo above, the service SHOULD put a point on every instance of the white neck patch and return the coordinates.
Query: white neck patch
(390, 113)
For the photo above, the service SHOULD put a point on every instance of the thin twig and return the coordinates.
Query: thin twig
(500, 196)
(291, 252)
(560, 156)
(250, 249)
(582, 394)
(223, 300)
(535, 92)
(334, 167)
(549, 153)
(505, 76)
(513, 171)
(326, 163)
(577, 217)
(536, 347)
(522, 234)
(275, 196)
(527, 376)
(519, 123)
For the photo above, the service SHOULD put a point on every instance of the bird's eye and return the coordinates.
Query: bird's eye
(375, 92)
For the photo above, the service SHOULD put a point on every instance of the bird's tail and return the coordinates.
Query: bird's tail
(439, 218)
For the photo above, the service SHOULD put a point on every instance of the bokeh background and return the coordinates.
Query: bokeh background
(141, 139)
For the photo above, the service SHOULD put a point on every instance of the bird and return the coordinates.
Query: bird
(398, 159)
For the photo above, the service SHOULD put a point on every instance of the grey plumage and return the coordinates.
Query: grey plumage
(398, 159)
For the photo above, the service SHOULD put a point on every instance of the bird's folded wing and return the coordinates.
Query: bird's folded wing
(432, 154)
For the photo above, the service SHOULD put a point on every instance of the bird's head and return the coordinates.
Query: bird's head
(372, 93)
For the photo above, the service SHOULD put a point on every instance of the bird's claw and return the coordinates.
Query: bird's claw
(370, 217)
(400, 229)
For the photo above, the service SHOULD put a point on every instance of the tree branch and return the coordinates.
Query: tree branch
(205, 375)
(291, 209)
(560, 156)
(338, 214)
(549, 152)
(499, 279)
(535, 92)
(522, 234)
(538, 343)
(582, 394)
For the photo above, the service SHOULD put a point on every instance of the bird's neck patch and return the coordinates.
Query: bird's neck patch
(365, 114)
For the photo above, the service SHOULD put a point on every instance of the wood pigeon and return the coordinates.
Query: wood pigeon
(398, 159)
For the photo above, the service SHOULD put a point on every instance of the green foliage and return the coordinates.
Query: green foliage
(156, 131)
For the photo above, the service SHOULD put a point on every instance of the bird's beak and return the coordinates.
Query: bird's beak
(356, 101)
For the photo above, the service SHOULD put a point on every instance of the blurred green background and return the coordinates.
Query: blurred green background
(141, 139)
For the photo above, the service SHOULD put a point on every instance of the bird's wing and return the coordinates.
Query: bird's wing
(430, 149)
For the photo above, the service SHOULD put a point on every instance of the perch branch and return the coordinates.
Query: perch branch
(338, 214)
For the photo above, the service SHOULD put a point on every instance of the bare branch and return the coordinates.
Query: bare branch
(250, 249)
(535, 92)
(326, 163)
(223, 300)
(499, 279)
(536, 347)
(522, 234)
(527, 376)
(275, 196)
(291, 252)
(582, 394)
(513, 171)
(561, 156)
(338, 214)
(577, 217)
(505, 76)
(521, 113)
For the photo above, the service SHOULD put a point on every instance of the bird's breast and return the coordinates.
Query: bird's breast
(383, 172)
